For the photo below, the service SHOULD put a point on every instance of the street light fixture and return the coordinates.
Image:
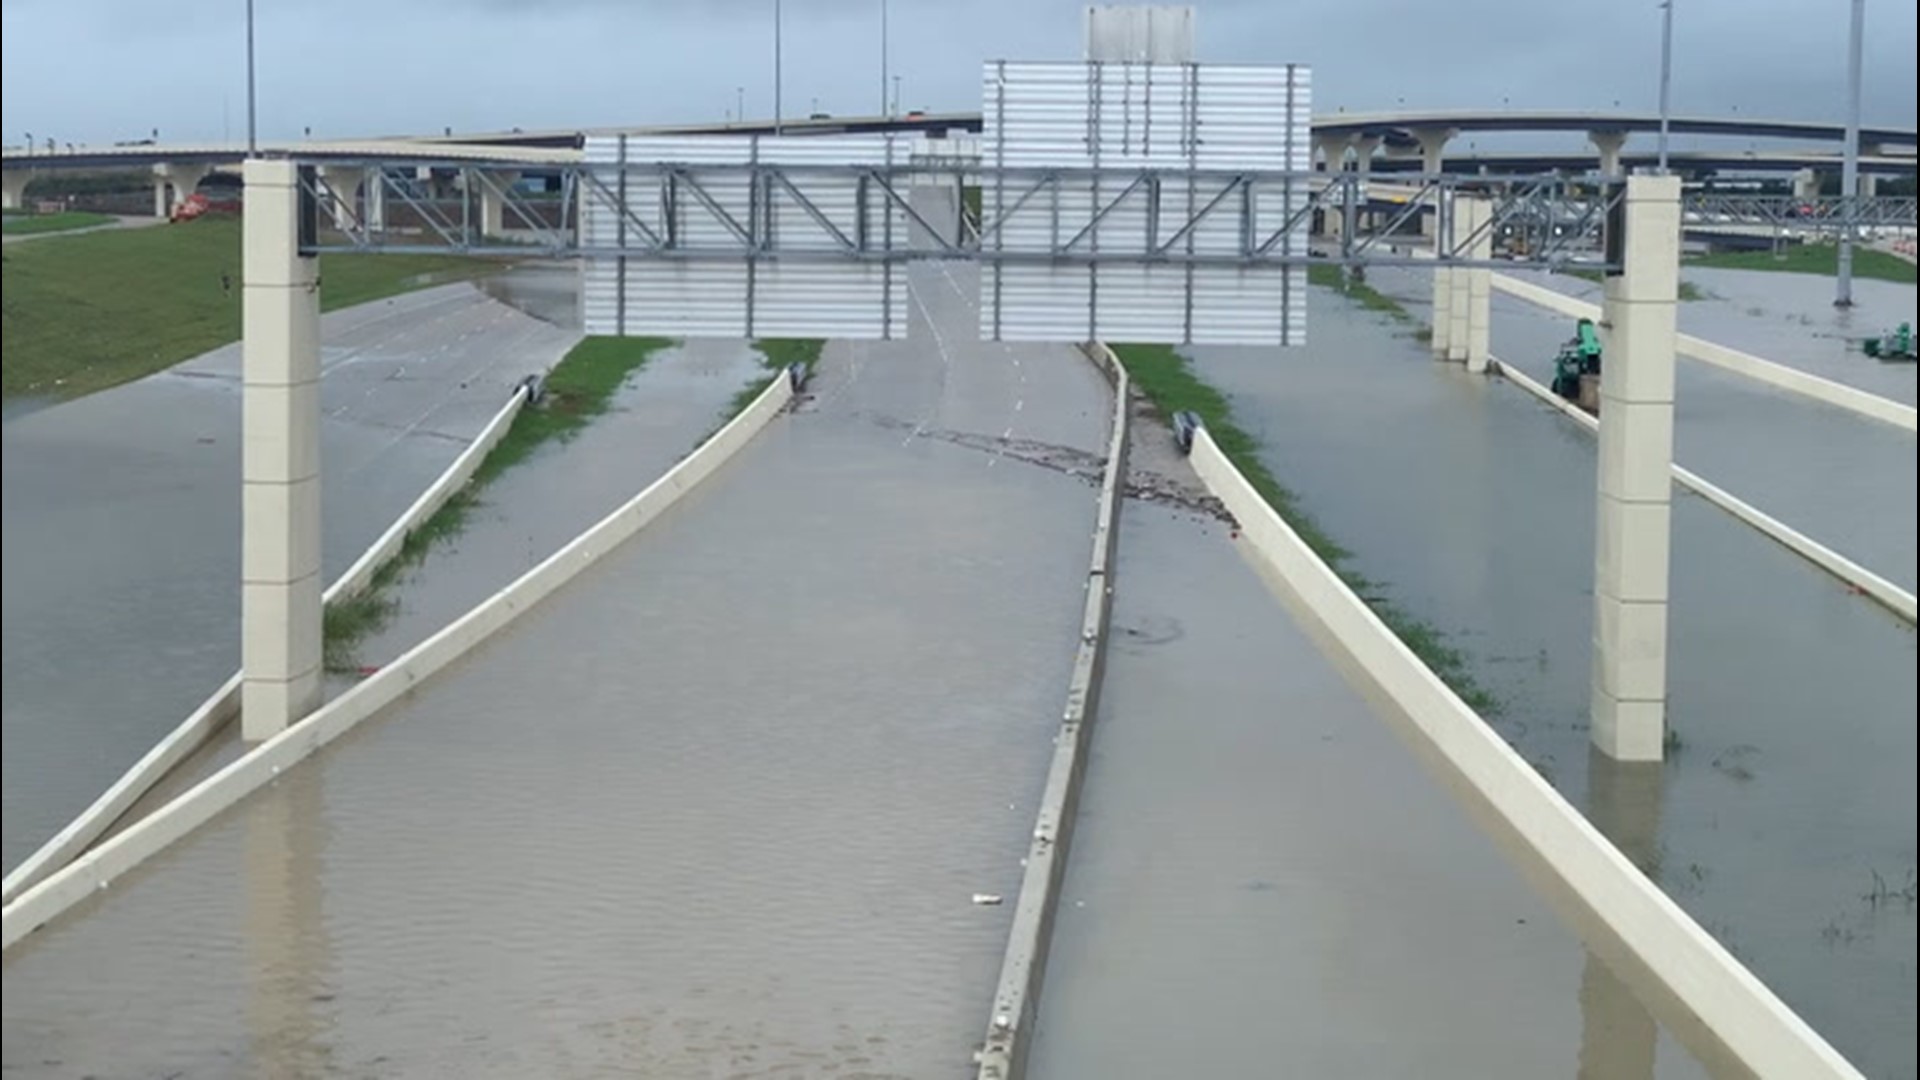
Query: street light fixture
(1850, 162)
(1666, 78)
(253, 132)
(777, 114)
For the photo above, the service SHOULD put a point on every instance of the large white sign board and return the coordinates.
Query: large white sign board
(696, 190)
(1169, 119)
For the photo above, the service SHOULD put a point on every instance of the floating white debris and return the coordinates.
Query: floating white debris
(986, 899)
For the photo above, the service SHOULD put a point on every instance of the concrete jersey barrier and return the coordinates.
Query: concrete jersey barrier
(213, 714)
(1753, 367)
(98, 868)
(1723, 1013)
(1872, 585)
(1016, 999)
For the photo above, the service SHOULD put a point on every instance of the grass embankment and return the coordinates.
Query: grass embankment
(1169, 381)
(1328, 276)
(1686, 292)
(776, 355)
(94, 311)
(1813, 259)
(65, 221)
(578, 389)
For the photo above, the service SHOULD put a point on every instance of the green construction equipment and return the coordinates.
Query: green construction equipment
(1895, 346)
(1579, 356)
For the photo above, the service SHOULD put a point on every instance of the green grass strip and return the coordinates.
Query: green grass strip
(1168, 380)
(1823, 259)
(578, 389)
(107, 307)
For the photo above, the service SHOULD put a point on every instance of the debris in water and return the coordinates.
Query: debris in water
(986, 899)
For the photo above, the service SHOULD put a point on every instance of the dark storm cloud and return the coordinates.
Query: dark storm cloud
(92, 70)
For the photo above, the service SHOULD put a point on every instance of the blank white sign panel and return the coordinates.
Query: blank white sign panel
(1130, 117)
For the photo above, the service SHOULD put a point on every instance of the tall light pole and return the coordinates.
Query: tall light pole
(740, 103)
(884, 111)
(1850, 162)
(1666, 78)
(777, 114)
(253, 134)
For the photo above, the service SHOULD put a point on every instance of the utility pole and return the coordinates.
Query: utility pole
(777, 114)
(884, 110)
(1850, 163)
(1666, 79)
(253, 132)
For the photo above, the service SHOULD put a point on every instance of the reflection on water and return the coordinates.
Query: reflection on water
(288, 957)
(1618, 1035)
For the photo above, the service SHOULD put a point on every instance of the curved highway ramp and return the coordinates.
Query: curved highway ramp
(721, 808)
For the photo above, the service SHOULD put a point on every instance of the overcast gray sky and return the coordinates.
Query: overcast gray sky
(100, 70)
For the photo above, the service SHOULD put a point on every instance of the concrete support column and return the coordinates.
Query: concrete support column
(172, 183)
(373, 200)
(1869, 186)
(1332, 150)
(13, 188)
(1433, 159)
(1442, 338)
(1806, 184)
(280, 611)
(1363, 148)
(492, 204)
(1609, 144)
(341, 186)
(1635, 479)
(1460, 289)
(1479, 321)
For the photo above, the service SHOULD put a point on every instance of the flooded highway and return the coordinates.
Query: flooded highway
(122, 526)
(720, 807)
(1847, 482)
(1266, 882)
(1785, 815)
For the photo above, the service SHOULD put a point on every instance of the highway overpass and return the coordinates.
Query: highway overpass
(1396, 137)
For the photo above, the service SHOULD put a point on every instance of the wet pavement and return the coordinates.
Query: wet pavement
(122, 526)
(718, 808)
(1792, 784)
(1264, 881)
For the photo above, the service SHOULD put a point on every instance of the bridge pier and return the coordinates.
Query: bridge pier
(13, 188)
(280, 609)
(493, 202)
(1363, 148)
(1609, 144)
(172, 183)
(1433, 160)
(1634, 519)
(341, 185)
(1806, 184)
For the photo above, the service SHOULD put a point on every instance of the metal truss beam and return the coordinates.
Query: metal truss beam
(1543, 220)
